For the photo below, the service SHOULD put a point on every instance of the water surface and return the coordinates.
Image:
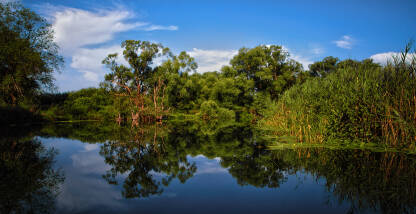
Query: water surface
(188, 167)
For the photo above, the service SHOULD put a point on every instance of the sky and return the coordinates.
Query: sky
(213, 31)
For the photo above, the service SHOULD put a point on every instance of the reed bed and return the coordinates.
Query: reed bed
(359, 103)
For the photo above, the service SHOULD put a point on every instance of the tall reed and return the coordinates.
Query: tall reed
(359, 102)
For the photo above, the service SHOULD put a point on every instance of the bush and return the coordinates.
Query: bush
(210, 110)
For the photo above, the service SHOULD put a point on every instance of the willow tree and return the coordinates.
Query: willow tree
(28, 54)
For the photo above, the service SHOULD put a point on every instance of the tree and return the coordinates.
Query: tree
(331, 64)
(28, 54)
(181, 88)
(134, 82)
(142, 83)
(324, 67)
(268, 66)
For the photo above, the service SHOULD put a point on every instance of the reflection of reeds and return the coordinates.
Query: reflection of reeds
(383, 181)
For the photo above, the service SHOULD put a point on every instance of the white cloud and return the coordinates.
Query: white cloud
(383, 58)
(88, 61)
(84, 187)
(305, 61)
(75, 28)
(91, 147)
(211, 60)
(206, 165)
(88, 162)
(160, 27)
(302, 60)
(345, 42)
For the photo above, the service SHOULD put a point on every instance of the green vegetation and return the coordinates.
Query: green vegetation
(142, 92)
(345, 102)
(255, 78)
(85, 104)
(28, 55)
(353, 102)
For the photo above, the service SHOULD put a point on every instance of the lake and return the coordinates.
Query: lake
(192, 167)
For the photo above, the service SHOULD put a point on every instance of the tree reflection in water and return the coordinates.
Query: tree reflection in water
(152, 157)
(147, 153)
(141, 154)
(28, 182)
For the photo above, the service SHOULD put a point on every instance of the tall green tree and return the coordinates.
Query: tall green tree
(142, 82)
(181, 87)
(134, 82)
(269, 66)
(28, 54)
(138, 74)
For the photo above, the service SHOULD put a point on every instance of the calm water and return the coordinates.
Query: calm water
(187, 167)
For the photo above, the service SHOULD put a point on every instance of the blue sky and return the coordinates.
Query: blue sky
(213, 31)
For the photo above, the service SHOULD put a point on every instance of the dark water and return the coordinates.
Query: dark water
(188, 167)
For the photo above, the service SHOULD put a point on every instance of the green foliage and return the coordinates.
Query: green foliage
(210, 110)
(324, 67)
(85, 104)
(141, 85)
(138, 76)
(90, 103)
(28, 54)
(256, 77)
(360, 101)
(268, 66)
(184, 91)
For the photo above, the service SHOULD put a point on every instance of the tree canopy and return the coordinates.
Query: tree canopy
(141, 82)
(269, 66)
(28, 54)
